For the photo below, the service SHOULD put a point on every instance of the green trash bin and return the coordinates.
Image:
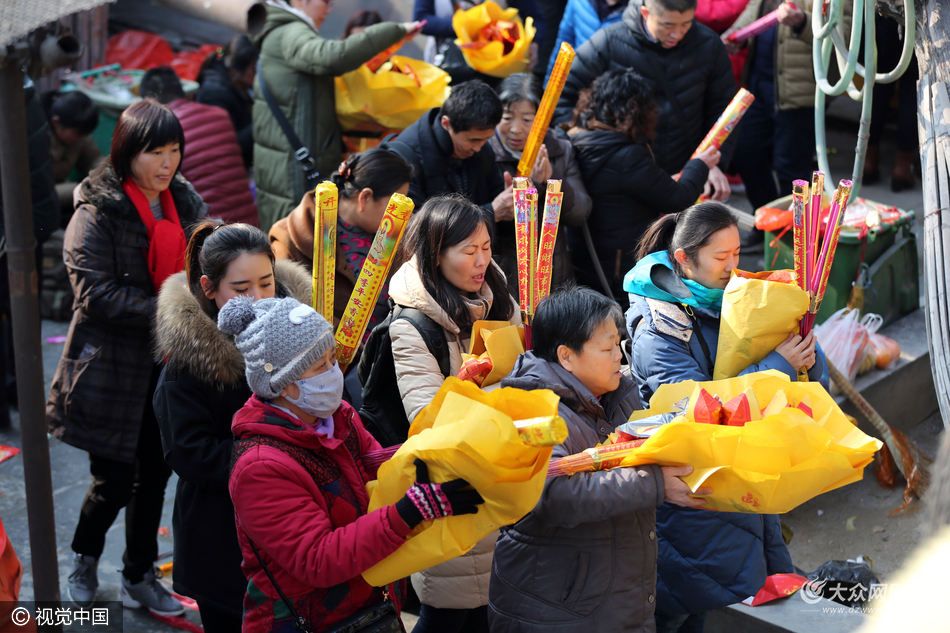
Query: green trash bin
(886, 258)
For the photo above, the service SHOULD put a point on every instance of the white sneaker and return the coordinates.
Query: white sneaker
(83, 581)
(149, 593)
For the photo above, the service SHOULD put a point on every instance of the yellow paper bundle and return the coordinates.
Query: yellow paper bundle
(390, 97)
(759, 310)
(768, 466)
(493, 41)
(494, 348)
(464, 433)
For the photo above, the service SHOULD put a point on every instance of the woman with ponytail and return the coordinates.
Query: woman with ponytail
(200, 388)
(365, 183)
(125, 239)
(707, 560)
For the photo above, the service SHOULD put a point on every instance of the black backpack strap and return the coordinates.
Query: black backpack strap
(432, 333)
(698, 331)
(301, 153)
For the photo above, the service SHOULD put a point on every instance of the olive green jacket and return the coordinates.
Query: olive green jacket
(794, 75)
(299, 67)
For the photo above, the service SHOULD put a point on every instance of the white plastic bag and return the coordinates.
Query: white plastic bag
(843, 338)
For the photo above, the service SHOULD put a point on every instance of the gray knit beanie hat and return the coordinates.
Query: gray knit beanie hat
(279, 338)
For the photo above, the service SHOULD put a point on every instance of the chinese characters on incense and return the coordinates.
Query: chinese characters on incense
(375, 270)
(324, 249)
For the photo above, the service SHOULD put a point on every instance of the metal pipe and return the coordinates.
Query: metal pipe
(246, 16)
(25, 311)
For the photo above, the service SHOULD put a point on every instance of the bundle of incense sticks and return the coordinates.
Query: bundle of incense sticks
(600, 458)
(520, 193)
(727, 121)
(758, 27)
(813, 263)
(324, 249)
(553, 198)
(375, 270)
(544, 431)
(542, 120)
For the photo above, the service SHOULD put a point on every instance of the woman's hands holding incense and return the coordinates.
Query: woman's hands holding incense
(677, 492)
(797, 351)
(710, 156)
(542, 170)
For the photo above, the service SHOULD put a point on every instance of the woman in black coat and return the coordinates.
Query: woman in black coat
(226, 79)
(200, 388)
(614, 125)
(126, 237)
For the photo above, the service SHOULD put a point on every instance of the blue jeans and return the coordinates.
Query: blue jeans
(770, 139)
(433, 620)
(679, 622)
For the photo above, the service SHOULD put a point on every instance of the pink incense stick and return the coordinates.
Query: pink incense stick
(814, 228)
(758, 27)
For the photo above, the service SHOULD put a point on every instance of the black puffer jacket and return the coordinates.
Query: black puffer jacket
(436, 173)
(629, 192)
(101, 386)
(693, 82)
(584, 560)
(201, 387)
(217, 89)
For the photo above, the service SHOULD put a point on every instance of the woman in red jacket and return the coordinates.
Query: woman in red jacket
(298, 482)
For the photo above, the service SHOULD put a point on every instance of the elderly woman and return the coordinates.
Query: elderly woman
(520, 96)
(126, 237)
(298, 66)
(585, 558)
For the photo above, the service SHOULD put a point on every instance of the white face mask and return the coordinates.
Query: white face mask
(320, 395)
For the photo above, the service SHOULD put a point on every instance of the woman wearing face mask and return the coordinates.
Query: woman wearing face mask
(676, 289)
(199, 390)
(448, 275)
(520, 96)
(298, 65)
(124, 240)
(298, 481)
(365, 183)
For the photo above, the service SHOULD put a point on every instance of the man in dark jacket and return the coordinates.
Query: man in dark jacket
(226, 83)
(449, 152)
(686, 62)
(584, 560)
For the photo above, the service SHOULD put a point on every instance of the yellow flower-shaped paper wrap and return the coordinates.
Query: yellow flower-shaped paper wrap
(491, 58)
(498, 341)
(464, 433)
(759, 310)
(389, 98)
(769, 466)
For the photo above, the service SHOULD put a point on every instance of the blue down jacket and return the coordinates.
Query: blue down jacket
(580, 21)
(706, 560)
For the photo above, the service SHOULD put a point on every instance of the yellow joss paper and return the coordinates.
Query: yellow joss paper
(470, 434)
(759, 310)
(502, 342)
(389, 98)
(490, 57)
(769, 466)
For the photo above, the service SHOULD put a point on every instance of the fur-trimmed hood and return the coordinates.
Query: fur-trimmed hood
(103, 190)
(186, 337)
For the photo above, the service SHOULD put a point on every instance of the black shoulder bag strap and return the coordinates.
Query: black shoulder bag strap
(432, 334)
(301, 153)
(299, 621)
(699, 336)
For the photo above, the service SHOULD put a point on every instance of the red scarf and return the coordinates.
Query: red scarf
(166, 239)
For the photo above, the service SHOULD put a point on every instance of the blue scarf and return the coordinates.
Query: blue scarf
(640, 281)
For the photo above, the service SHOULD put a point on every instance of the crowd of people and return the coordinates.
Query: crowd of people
(193, 347)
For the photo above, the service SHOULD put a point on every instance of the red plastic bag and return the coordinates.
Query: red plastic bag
(187, 64)
(138, 49)
(776, 586)
(772, 220)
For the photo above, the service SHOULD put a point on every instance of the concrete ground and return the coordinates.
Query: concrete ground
(820, 526)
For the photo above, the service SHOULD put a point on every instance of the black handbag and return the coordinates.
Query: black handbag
(382, 617)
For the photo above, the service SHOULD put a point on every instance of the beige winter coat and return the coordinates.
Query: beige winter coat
(794, 74)
(461, 583)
